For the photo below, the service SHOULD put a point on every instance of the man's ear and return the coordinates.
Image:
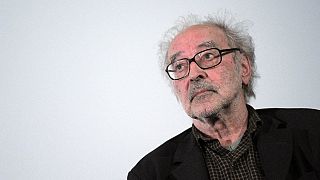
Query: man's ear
(246, 69)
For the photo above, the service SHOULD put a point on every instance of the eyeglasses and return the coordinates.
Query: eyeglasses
(205, 59)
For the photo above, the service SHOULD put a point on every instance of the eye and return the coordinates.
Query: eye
(208, 56)
(179, 66)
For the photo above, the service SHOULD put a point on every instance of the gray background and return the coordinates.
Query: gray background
(81, 94)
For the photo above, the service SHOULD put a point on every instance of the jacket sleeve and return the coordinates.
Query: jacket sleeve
(133, 176)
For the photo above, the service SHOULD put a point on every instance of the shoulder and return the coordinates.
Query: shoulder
(298, 130)
(292, 117)
(159, 161)
(303, 124)
(289, 111)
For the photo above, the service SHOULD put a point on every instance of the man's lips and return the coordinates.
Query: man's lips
(197, 93)
(200, 87)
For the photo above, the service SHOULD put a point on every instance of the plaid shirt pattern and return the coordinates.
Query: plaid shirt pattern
(240, 163)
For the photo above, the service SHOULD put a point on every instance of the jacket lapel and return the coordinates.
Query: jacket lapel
(274, 143)
(275, 148)
(189, 162)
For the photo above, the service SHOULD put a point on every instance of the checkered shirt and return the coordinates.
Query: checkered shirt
(240, 163)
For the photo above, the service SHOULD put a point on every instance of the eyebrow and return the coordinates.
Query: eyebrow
(207, 44)
(174, 56)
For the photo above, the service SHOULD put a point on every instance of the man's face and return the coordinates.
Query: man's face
(206, 92)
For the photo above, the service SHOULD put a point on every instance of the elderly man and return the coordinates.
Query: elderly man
(211, 67)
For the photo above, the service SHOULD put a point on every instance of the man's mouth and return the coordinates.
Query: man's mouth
(200, 88)
(200, 93)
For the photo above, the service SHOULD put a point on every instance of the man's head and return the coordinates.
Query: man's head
(205, 88)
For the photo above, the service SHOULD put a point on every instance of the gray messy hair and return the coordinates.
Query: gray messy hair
(236, 33)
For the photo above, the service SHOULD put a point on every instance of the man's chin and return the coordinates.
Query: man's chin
(202, 113)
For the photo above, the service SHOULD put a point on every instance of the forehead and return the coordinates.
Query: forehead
(196, 38)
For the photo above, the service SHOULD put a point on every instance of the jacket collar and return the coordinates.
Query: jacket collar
(188, 161)
(274, 143)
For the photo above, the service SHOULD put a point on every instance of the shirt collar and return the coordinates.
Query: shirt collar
(254, 123)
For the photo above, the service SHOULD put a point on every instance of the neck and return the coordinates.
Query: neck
(227, 127)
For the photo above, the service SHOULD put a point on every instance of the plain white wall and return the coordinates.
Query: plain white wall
(81, 94)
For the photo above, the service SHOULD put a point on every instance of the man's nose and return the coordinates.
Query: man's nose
(196, 72)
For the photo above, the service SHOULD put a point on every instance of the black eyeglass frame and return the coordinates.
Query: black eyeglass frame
(222, 52)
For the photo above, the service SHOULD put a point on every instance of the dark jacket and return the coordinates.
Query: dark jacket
(288, 144)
